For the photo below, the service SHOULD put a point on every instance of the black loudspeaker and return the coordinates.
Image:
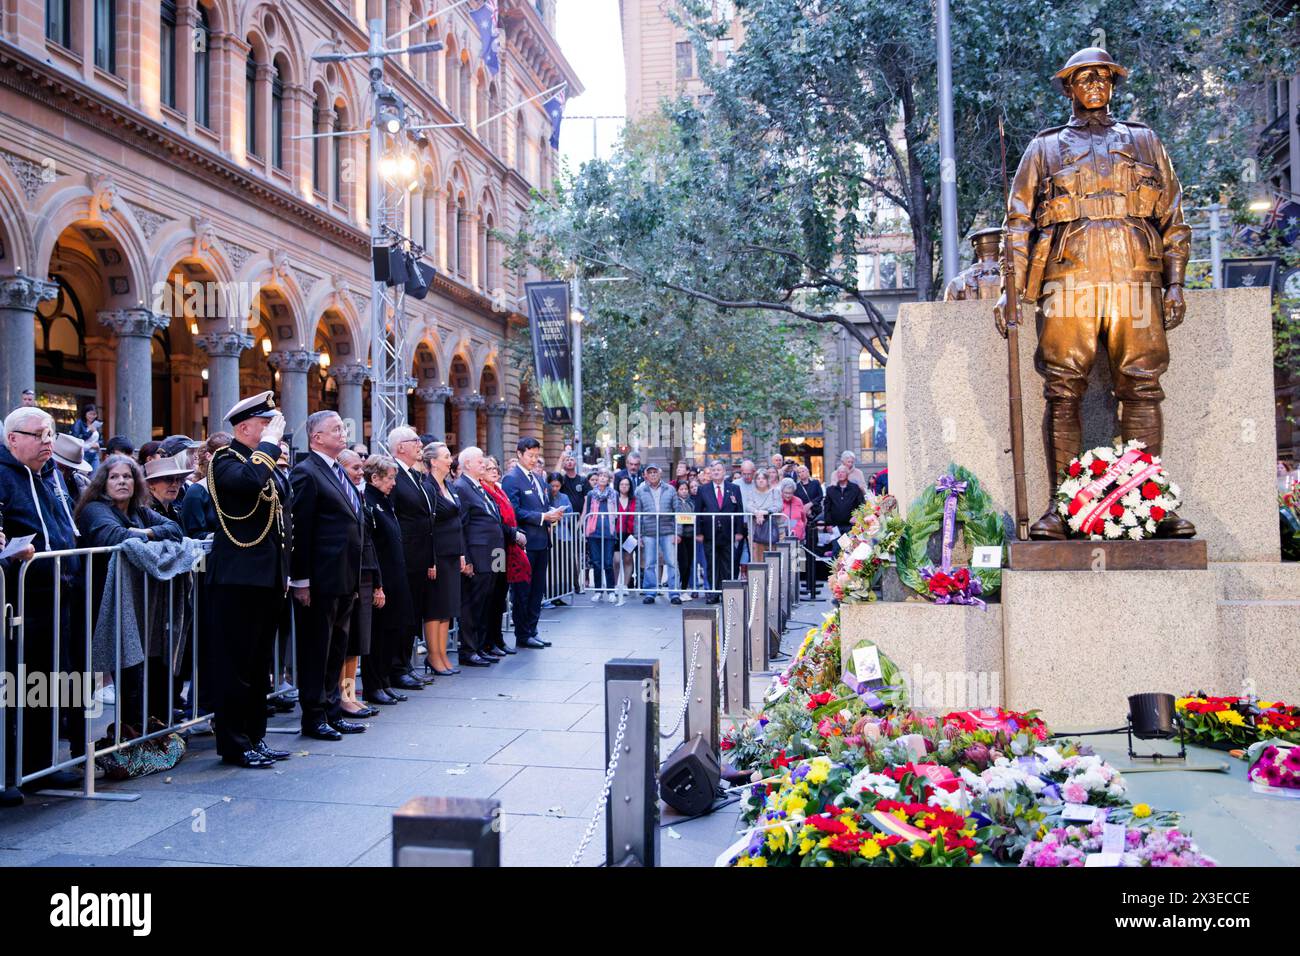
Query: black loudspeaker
(390, 264)
(419, 276)
(688, 780)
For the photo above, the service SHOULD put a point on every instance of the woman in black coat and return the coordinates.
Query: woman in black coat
(449, 551)
(391, 623)
(114, 507)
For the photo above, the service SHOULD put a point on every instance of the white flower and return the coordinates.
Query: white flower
(1175, 490)
(1052, 757)
(1131, 500)
(1112, 530)
(875, 782)
(1128, 519)
(1135, 533)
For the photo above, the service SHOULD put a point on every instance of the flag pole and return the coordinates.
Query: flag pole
(510, 109)
(425, 21)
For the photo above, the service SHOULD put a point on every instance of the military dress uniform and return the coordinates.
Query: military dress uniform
(1096, 230)
(248, 573)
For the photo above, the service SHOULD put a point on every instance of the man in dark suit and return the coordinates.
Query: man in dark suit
(248, 576)
(485, 536)
(809, 490)
(528, 497)
(325, 574)
(720, 499)
(414, 509)
(632, 472)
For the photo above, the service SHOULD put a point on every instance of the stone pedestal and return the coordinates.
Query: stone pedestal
(950, 656)
(294, 364)
(1078, 643)
(224, 349)
(19, 297)
(946, 380)
(134, 387)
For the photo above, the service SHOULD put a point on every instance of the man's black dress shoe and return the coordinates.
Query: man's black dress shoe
(541, 640)
(407, 682)
(531, 642)
(322, 731)
(493, 651)
(344, 726)
(397, 698)
(507, 649)
(269, 753)
(364, 713)
(251, 759)
(380, 696)
(473, 660)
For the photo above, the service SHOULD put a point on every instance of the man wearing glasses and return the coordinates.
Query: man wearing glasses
(30, 505)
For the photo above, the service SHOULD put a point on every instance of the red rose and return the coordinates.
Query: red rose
(1157, 512)
(1075, 505)
(961, 577)
(1145, 458)
(1098, 467)
(1075, 468)
(1117, 511)
(1150, 490)
(940, 583)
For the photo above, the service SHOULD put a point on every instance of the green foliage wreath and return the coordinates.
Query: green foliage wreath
(977, 522)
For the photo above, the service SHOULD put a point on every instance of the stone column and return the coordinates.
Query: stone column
(350, 379)
(293, 365)
(435, 409)
(19, 296)
(467, 420)
(223, 350)
(496, 412)
(134, 386)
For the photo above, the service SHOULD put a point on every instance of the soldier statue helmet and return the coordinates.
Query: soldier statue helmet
(1096, 232)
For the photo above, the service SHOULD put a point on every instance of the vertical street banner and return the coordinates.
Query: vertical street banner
(548, 318)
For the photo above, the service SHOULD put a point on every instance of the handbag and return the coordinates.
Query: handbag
(766, 533)
(143, 758)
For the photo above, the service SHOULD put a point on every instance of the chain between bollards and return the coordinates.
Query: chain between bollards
(609, 783)
(686, 697)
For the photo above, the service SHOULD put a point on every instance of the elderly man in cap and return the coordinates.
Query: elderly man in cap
(1096, 231)
(248, 576)
(658, 534)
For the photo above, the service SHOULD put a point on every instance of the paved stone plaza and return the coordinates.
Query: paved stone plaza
(529, 733)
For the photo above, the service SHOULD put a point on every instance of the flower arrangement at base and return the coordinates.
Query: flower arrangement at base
(1143, 846)
(1227, 723)
(997, 720)
(955, 499)
(872, 540)
(1274, 768)
(1116, 491)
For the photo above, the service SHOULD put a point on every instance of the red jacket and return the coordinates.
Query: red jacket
(518, 570)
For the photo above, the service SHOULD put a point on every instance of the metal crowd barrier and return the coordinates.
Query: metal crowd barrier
(72, 683)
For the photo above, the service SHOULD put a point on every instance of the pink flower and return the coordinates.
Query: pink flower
(1075, 793)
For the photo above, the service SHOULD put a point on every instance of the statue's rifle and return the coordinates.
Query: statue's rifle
(1013, 356)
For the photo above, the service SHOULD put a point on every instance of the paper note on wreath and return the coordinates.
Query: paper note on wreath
(861, 552)
(866, 664)
(986, 556)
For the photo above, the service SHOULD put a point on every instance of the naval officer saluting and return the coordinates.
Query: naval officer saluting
(248, 572)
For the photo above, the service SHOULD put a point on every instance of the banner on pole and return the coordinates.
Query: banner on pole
(548, 319)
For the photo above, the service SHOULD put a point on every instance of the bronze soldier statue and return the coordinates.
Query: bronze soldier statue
(1095, 226)
(983, 278)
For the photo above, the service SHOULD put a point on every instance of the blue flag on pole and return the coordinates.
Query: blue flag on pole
(485, 18)
(555, 110)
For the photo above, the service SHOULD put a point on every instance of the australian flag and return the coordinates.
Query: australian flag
(1285, 221)
(485, 18)
(555, 110)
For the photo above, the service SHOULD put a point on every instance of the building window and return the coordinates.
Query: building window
(167, 53)
(277, 120)
(106, 35)
(58, 22)
(684, 62)
(202, 35)
(723, 50)
(250, 104)
(317, 173)
(871, 407)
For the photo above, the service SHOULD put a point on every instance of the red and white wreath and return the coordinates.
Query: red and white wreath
(1115, 492)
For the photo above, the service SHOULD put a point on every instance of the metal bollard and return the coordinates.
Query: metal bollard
(773, 562)
(447, 831)
(735, 640)
(783, 588)
(756, 615)
(702, 708)
(632, 818)
(791, 549)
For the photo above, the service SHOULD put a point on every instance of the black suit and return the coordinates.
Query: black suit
(412, 502)
(811, 494)
(246, 587)
(485, 535)
(327, 550)
(719, 530)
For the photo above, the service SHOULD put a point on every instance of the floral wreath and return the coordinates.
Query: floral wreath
(1114, 492)
(982, 526)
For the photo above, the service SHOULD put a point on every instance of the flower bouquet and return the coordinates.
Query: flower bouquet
(1143, 846)
(1274, 768)
(1115, 492)
(872, 539)
(1227, 723)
